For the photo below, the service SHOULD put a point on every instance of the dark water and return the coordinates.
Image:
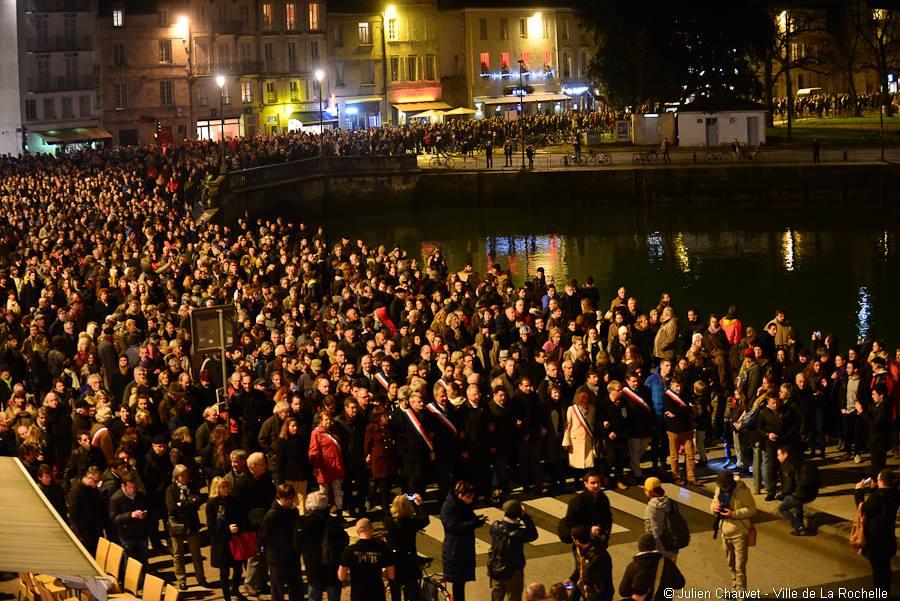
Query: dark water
(834, 269)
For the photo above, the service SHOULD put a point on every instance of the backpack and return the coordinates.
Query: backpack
(498, 567)
(808, 481)
(677, 527)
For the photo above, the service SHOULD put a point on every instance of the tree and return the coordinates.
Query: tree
(878, 31)
(676, 51)
(844, 50)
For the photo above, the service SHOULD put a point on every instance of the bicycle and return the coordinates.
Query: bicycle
(712, 156)
(442, 160)
(599, 158)
(646, 156)
(574, 159)
(432, 586)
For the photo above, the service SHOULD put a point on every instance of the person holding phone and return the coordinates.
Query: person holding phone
(458, 551)
(878, 501)
(404, 519)
(128, 513)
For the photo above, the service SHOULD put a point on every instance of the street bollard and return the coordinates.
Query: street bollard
(757, 469)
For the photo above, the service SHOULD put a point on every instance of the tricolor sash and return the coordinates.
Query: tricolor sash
(417, 426)
(582, 420)
(383, 380)
(676, 398)
(636, 398)
(439, 413)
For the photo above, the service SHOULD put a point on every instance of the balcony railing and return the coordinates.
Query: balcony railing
(60, 44)
(61, 84)
(51, 6)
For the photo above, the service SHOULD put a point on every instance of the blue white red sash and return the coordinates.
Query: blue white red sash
(383, 380)
(443, 417)
(583, 420)
(328, 435)
(417, 426)
(676, 398)
(636, 398)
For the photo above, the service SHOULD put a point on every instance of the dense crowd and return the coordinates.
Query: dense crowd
(360, 372)
(831, 105)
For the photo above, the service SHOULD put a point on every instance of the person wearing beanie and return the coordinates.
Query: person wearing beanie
(655, 518)
(646, 567)
(519, 528)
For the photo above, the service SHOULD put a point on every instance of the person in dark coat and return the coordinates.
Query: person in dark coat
(593, 569)
(414, 445)
(52, 491)
(351, 431)
(224, 520)
(646, 563)
(129, 512)
(83, 457)
(276, 538)
(256, 493)
(381, 456)
(880, 511)
(588, 508)
(182, 506)
(86, 509)
(778, 425)
(879, 422)
(292, 458)
(321, 560)
(458, 551)
(157, 475)
(403, 520)
(519, 528)
(500, 442)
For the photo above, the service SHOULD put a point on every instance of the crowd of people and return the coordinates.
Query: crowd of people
(366, 382)
(831, 105)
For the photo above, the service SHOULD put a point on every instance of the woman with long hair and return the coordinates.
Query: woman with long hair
(214, 458)
(292, 452)
(402, 522)
(380, 450)
(224, 520)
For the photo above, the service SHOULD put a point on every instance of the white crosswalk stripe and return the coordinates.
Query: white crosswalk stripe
(687, 497)
(556, 508)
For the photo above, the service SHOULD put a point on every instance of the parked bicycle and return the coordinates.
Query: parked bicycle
(646, 157)
(432, 585)
(589, 159)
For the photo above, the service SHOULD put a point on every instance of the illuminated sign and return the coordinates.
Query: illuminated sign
(545, 74)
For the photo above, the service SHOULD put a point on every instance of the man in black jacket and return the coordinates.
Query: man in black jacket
(128, 513)
(644, 566)
(86, 509)
(795, 487)
(276, 539)
(589, 510)
(777, 425)
(878, 421)
(258, 497)
(593, 567)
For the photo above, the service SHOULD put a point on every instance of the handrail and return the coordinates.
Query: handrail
(279, 172)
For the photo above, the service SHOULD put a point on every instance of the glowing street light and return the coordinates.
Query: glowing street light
(220, 81)
(320, 75)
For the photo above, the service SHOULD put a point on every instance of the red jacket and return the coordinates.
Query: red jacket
(325, 456)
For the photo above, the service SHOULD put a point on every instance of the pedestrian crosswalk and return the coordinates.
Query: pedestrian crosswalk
(628, 520)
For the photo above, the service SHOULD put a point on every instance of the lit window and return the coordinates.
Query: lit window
(267, 15)
(295, 90)
(392, 29)
(395, 68)
(271, 97)
(246, 91)
(165, 51)
(118, 18)
(485, 62)
(523, 28)
(365, 34)
(290, 15)
(504, 62)
(314, 24)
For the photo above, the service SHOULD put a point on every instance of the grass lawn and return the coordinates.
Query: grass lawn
(840, 130)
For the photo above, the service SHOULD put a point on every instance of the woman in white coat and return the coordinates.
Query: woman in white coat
(578, 438)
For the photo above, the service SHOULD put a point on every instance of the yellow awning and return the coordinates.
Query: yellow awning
(461, 111)
(78, 134)
(421, 107)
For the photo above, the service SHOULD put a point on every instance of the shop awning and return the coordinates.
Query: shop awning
(421, 107)
(312, 118)
(461, 111)
(527, 99)
(33, 537)
(71, 136)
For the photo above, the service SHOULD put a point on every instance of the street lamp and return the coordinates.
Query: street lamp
(522, 109)
(220, 81)
(320, 75)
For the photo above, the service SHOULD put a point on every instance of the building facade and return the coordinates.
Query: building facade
(50, 95)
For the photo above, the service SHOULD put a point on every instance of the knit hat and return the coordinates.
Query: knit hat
(653, 485)
(512, 509)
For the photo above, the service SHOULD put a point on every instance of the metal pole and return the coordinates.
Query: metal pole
(222, 351)
(757, 468)
(881, 123)
(522, 110)
(222, 130)
(384, 70)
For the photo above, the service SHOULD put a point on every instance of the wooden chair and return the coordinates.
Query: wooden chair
(101, 552)
(26, 587)
(50, 586)
(171, 593)
(129, 588)
(113, 564)
(153, 588)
